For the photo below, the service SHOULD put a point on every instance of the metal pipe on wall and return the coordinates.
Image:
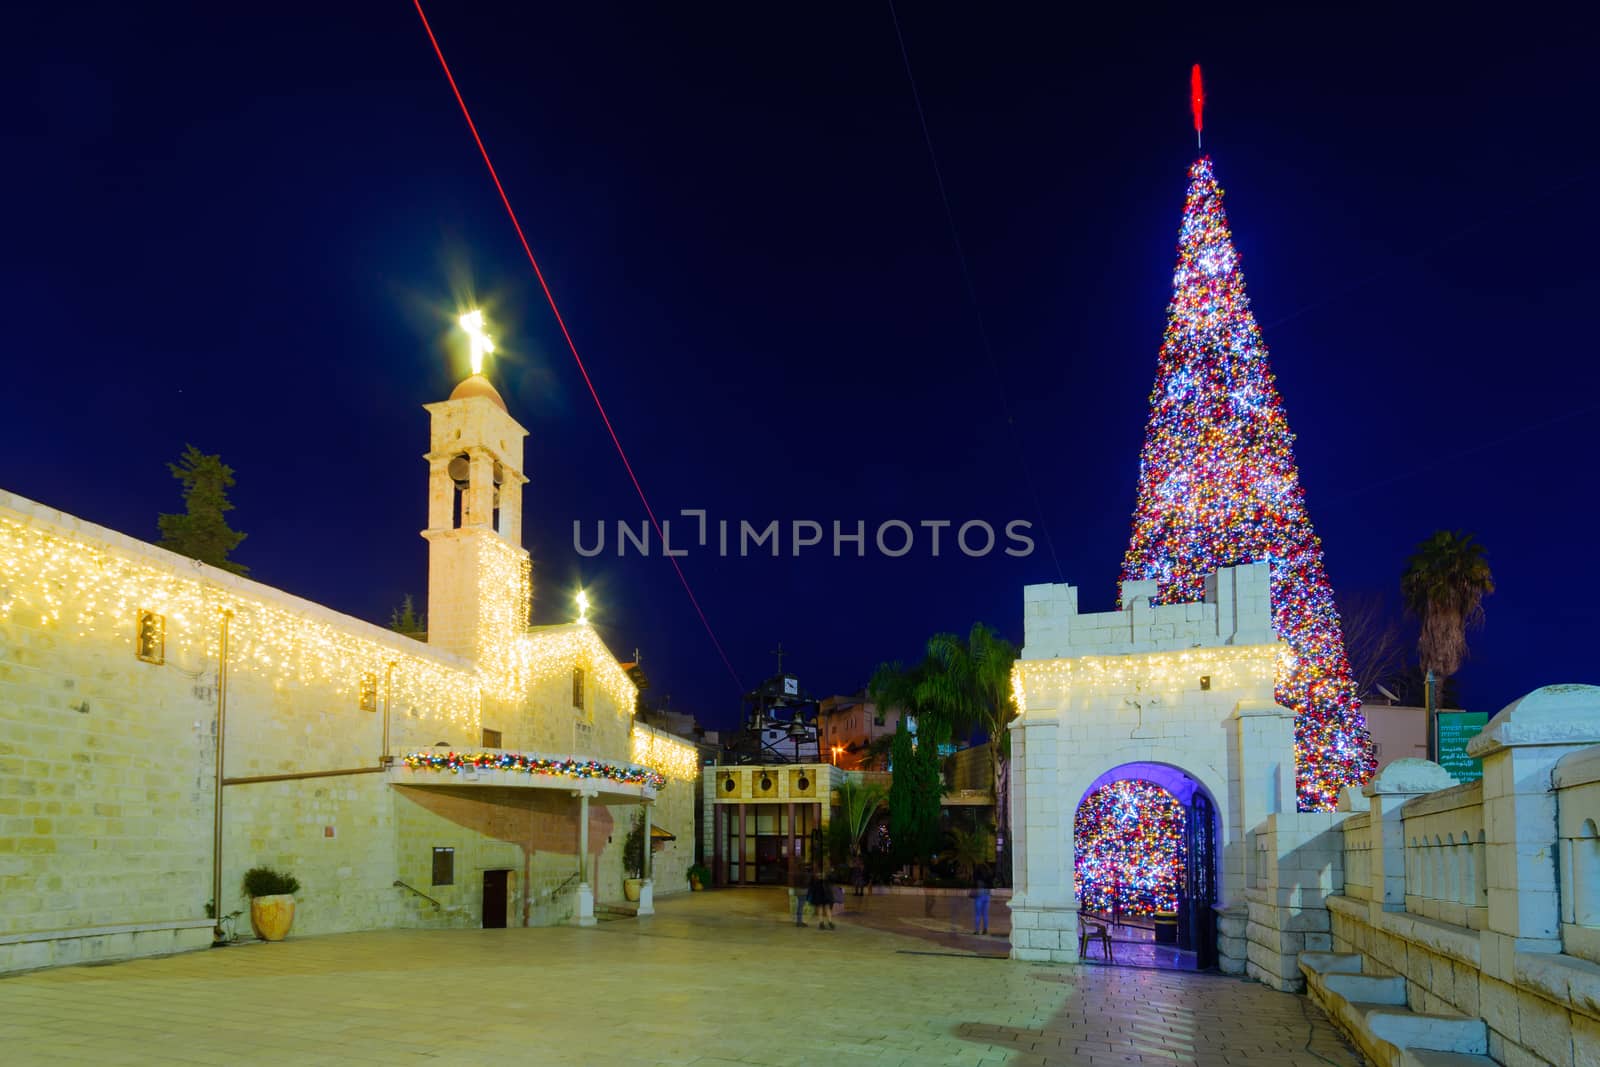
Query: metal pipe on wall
(216, 828)
(388, 698)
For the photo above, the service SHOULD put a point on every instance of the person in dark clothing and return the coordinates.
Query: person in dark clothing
(858, 877)
(820, 894)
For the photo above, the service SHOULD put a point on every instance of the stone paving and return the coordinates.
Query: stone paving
(717, 978)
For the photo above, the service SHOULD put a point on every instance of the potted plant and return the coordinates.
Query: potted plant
(633, 847)
(271, 896)
(699, 877)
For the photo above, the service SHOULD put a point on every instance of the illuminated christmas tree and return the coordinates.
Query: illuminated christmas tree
(1218, 487)
(1128, 847)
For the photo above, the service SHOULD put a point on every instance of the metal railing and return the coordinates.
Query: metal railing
(398, 884)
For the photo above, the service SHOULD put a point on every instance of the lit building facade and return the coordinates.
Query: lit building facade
(168, 725)
(848, 725)
(761, 821)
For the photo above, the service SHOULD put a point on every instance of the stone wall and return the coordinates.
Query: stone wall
(1474, 894)
(108, 760)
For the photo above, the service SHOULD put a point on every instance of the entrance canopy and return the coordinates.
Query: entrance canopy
(604, 782)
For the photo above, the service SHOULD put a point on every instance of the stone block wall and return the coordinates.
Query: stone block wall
(1522, 962)
(1300, 861)
(108, 764)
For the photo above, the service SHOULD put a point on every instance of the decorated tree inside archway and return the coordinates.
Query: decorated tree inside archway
(1128, 845)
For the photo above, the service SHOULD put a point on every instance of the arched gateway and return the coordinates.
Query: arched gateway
(1179, 695)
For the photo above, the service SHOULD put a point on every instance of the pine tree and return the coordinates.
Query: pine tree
(405, 620)
(1218, 486)
(201, 532)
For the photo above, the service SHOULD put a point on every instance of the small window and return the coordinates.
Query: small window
(491, 738)
(369, 692)
(152, 638)
(577, 687)
(444, 866)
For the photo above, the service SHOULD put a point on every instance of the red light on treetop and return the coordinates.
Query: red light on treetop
(1197, 98)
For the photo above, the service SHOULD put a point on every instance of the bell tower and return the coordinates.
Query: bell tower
(474, 534)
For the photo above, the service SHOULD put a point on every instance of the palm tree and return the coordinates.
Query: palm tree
(875, 756)
(971, 848)
(860, 801)
(972, 687)
(1444, 584)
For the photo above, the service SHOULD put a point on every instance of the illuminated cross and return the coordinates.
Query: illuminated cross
(482, 346)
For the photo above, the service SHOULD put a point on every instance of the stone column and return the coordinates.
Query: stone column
(1044, 909)
(788, 852)
(477, 509)
(585, 893)
(647, 891)
(1263, 753)
(743, 874)
(1520, 748)
(1016, 845)
(719, 876)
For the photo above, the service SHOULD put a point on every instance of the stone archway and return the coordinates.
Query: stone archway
(1182, 686)
(1150, 853)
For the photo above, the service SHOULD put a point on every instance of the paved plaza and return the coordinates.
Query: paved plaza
(713, 978)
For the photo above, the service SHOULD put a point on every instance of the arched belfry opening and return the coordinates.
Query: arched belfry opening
(461, 507)
(1173, 705)
(474, 529)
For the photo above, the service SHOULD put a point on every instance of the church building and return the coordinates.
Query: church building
(166, 726)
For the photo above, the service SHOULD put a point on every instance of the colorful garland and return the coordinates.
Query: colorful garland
(517, 761)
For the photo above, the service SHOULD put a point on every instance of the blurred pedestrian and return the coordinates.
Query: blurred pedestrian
(980, 901)
(820, 894)
(800, 893)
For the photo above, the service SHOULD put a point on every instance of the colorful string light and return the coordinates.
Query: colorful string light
(1218, 486)
(1128, 847)
(567, 767)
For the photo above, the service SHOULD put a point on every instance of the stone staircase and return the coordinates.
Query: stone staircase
(1372, 1009)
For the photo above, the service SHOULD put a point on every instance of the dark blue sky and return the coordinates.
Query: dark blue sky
(250, 232)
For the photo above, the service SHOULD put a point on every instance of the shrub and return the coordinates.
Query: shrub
(700, 872)
(266, 882)
(633, 847)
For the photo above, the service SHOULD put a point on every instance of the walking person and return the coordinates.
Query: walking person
(858, 876)
(820, 894)
(980, 902)
(800, 894)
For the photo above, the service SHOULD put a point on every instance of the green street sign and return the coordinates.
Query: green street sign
(1456, 728)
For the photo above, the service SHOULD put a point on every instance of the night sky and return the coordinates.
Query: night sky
(253, 231)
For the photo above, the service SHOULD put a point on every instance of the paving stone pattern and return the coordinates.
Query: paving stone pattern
(714, 978)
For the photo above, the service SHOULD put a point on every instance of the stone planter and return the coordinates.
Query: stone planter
(271, 917)
(694, 884)
(631, 887)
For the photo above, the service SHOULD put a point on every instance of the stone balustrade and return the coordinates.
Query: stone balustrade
(1483, 897)
(1445, 848)
(1358, 856)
